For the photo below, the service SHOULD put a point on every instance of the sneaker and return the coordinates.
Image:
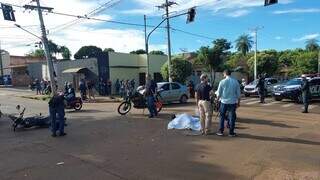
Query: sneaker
(219, 134)
(305, 112)
(233, 135)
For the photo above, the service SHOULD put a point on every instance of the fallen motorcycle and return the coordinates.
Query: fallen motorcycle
(29, 122)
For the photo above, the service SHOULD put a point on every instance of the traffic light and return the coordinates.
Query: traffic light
(270, 2)
(8, 12)
(191, 15)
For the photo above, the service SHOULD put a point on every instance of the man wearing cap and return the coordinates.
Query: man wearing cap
(229, 96)
(202, 95)
(305, 88)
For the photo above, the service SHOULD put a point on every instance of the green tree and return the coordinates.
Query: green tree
(244, 44)
(53, 48)
(139, 51)
(157, 52)
(267, 62)
(180, 70)
(305, 62)
(312, 45)
(65, 52)
(88, 52)
(37, 53)
(108, 50)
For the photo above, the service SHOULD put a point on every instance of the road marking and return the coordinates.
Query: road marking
(287, 105)
(312, 106)
(248, 100)
(253, 102)
(271, 103)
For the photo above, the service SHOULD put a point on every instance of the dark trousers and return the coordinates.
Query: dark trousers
(231, 109)
(262, 95)
(305, 100)
(151, 106)
(57, 119)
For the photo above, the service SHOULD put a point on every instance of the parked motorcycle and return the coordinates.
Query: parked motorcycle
(75, 104)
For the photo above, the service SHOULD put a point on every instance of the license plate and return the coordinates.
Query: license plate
(277, 94)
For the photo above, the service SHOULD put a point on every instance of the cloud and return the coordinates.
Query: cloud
(295, 11)
(278, 38)
(238, 13)
(83, 32)
(307, 37)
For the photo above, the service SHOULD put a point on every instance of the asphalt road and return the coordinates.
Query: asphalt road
(276, 141)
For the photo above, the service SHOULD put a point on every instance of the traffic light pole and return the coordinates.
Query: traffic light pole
(46, 48)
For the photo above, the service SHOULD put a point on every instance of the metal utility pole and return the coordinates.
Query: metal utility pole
(169, 40)
(255, 31)
(319, 63)
(146, 43)
(1, 63)
(44, 40)
(166, 6)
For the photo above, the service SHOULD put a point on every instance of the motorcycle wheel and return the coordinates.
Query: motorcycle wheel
(124, 108)
(77, 106)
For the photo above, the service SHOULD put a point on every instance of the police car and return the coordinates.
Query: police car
(292, 89)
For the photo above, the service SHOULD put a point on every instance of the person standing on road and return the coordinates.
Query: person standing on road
(229, 95)
(56, 114)
(150, 91)
(91, 91)
(261, 88)
(202, 95)
(117, 86)
(38, 86)
(305, 88)
(83, 89)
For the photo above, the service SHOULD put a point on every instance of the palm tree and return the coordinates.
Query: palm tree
(312, 45)
(65, 52)
(244, 44)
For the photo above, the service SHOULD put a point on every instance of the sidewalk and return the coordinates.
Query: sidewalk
(25, 92)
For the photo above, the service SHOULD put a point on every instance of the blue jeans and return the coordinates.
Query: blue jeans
(151, 106)
(231, 109)
(57, 119)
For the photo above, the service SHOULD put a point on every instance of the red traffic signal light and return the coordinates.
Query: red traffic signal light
(270, 2)
(8, 12)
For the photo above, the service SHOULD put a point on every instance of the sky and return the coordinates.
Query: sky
(286, 25)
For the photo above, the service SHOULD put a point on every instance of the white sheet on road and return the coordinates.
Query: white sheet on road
(185, 121)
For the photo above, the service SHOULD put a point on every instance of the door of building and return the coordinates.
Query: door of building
(142, 79)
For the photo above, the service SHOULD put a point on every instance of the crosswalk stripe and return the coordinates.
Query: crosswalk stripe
(253, 102)
(287, 105)
(271, 103)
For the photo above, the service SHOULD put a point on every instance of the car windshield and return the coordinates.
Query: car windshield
(293, 82)
(254, 82)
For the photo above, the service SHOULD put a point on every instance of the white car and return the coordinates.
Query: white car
(171, 92)
(251, 89)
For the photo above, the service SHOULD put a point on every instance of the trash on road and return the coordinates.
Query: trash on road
(185, 121)
(60, 163)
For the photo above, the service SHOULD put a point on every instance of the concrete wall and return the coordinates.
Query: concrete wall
(5, 63)
(60, 66)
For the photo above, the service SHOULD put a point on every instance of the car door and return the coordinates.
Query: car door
(315, 88)
(165, 92)
(175, 92)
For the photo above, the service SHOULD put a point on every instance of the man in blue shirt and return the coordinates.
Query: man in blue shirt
(229, 96)
(151, 88)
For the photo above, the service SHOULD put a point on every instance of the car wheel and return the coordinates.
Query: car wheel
(278, 98)
(246, 95)
(184, 99)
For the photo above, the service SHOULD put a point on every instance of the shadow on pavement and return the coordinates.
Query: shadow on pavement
(265, 122)
(279, 139)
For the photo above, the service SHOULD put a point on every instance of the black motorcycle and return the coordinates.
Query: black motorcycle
(138, 100)
(29, 122)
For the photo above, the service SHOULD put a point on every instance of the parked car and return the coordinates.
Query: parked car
(251, 88)
(171, 92)
(292, 89)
